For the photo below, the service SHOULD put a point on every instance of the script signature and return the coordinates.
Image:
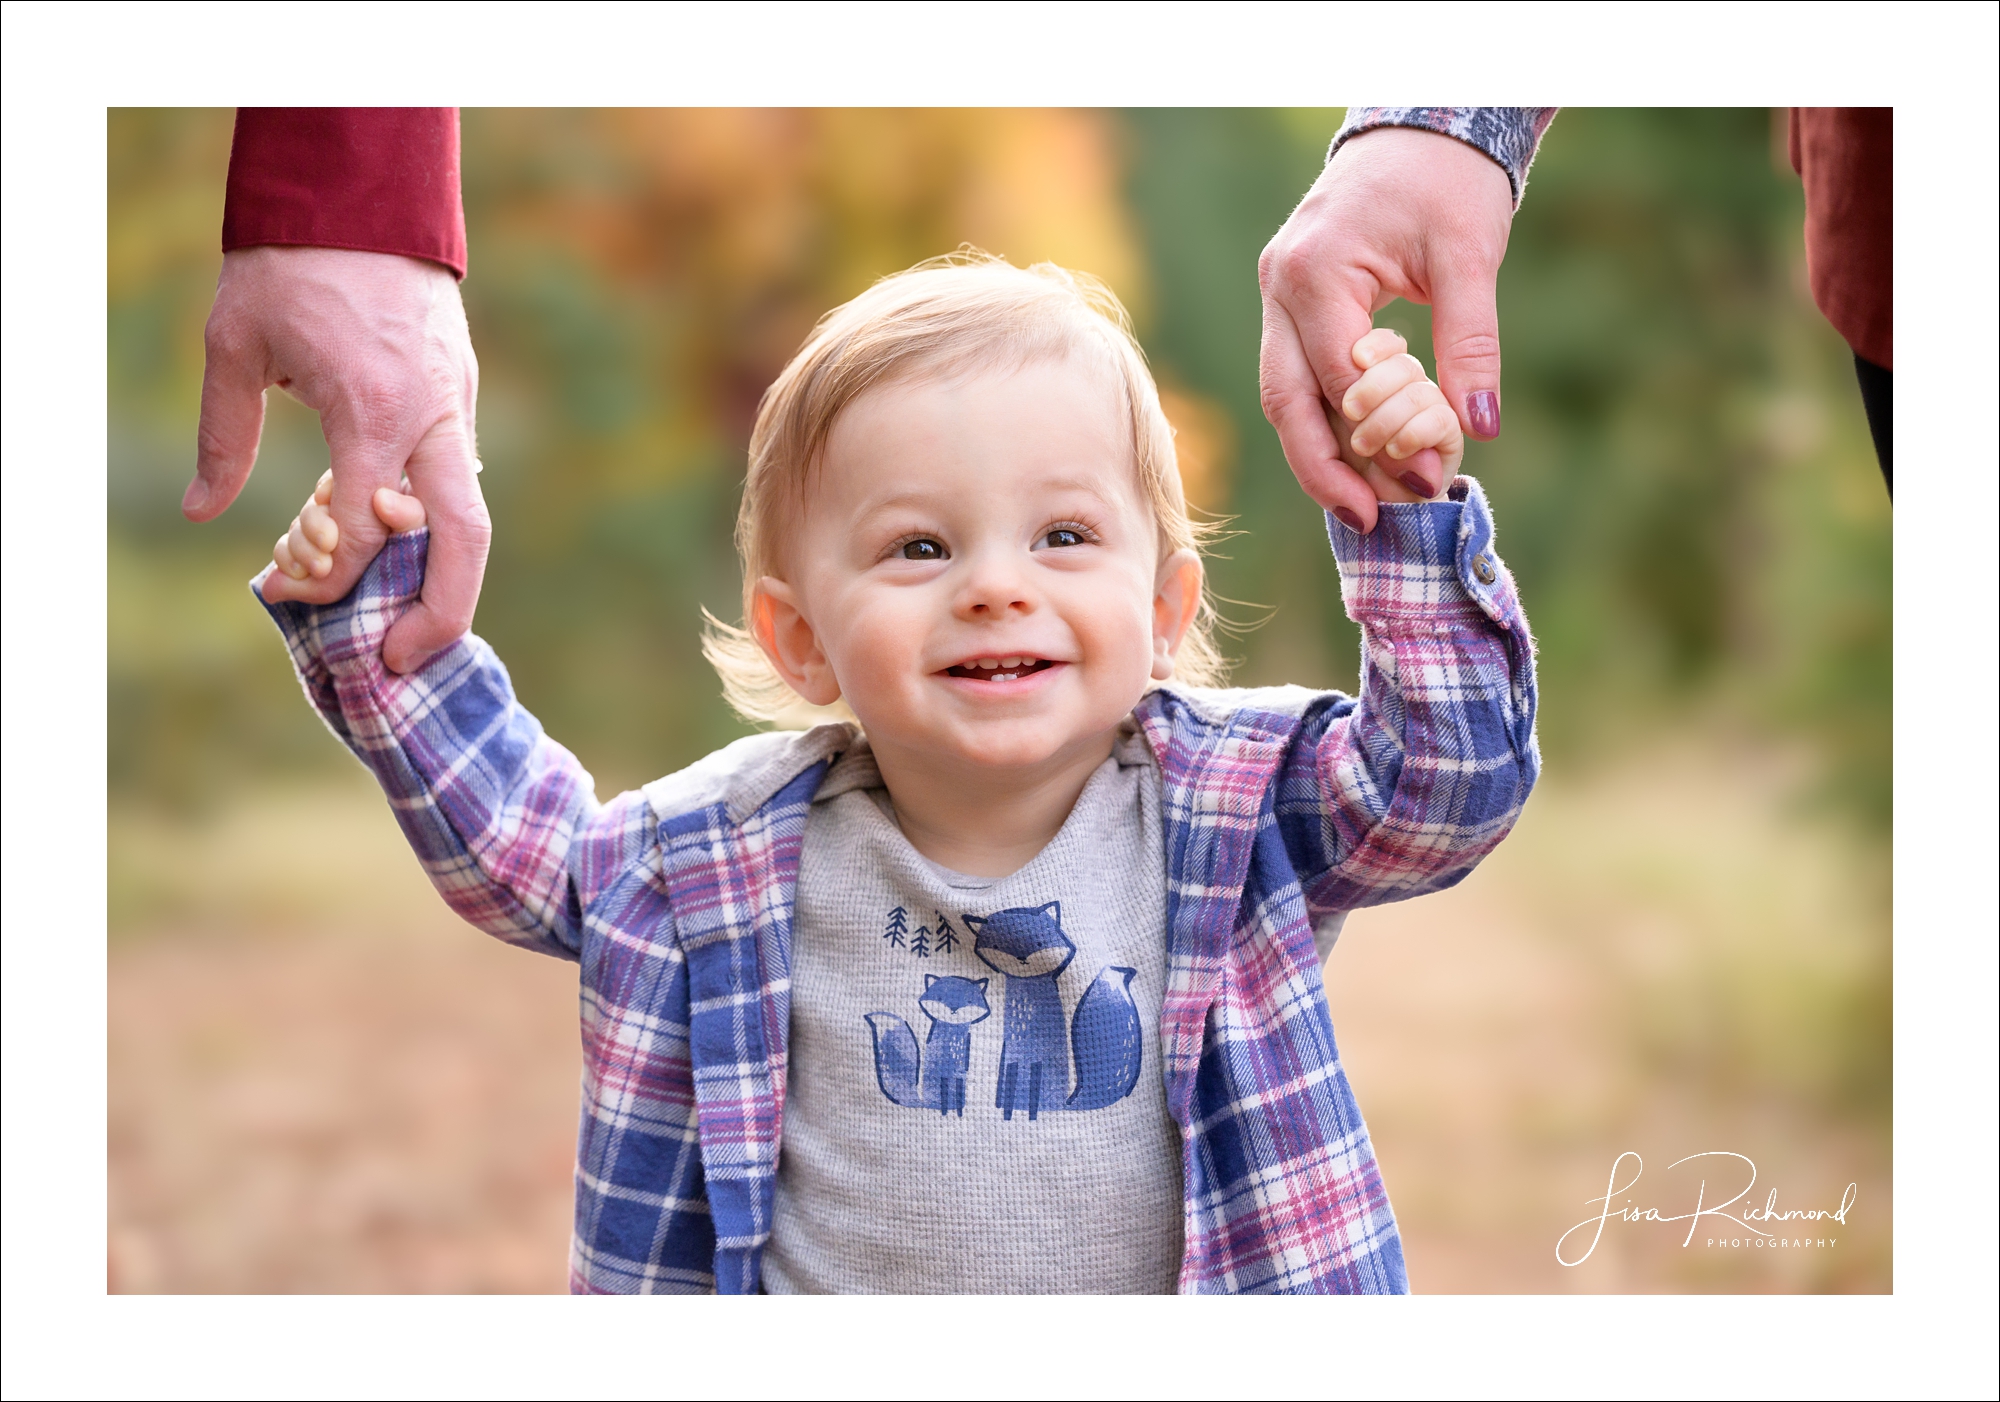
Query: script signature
(1729, 1164)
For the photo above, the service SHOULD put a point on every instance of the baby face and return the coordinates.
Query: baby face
(978, 572)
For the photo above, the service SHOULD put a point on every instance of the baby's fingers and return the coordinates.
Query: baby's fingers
(1386, 378)
(311, 541)
(1435, 426)
(398, 511)
(1377, 346)
(1391, 416)
(281, 556)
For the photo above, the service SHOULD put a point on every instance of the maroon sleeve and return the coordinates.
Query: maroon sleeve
(1845, 156)
(382, 179)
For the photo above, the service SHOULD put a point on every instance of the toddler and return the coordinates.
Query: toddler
(1006, 975)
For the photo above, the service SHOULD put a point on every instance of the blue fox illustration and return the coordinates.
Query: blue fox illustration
(1107, 1040)
(1028, 946)
(936, 1079)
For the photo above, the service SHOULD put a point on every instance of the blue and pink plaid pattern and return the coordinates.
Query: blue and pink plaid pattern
(1282, 806)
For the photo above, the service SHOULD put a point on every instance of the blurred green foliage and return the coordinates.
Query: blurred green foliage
(1685, 487)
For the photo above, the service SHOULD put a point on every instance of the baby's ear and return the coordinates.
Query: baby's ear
(785, 634)
(1176, 602)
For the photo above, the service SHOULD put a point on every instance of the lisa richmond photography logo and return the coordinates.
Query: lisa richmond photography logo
(1717, 1217)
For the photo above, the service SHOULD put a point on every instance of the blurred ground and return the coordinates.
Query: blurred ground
(320, 1079)
(321, 1082)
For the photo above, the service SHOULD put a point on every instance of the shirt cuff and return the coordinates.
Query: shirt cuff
(340, 638)
(374, 179)
(1427, 566)
(1509, 135)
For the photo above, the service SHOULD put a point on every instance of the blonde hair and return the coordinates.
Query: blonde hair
(946, 315)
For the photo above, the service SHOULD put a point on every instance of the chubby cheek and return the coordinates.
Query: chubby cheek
(1117, 638)
(877, 652)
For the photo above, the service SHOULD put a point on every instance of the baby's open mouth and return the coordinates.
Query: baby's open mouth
(999, 669)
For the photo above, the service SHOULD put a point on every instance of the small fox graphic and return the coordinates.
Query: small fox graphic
(934, 1080)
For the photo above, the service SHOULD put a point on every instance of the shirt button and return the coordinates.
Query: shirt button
(1482, 568)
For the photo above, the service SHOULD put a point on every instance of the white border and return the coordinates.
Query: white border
(64, 65)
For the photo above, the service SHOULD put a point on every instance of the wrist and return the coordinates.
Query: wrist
(1507, 136)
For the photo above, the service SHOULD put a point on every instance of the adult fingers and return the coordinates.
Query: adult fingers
(1414, 477)
(1334, 312)
(1290, 392)
(1465, 333)
(444, 476)
(233, 380)
(359, 466)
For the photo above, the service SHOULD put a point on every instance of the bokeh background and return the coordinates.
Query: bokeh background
(320, 1082)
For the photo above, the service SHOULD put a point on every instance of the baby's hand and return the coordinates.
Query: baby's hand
(306, 551)
(1395, 427)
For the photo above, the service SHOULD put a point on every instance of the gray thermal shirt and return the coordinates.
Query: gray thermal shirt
(975, 1102)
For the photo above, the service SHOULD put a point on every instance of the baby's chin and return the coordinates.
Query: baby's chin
(1000, 745)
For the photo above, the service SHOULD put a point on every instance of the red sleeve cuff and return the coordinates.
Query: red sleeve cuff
(380, 179)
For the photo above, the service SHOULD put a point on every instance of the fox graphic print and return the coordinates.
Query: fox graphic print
(975, 1098)
(935, 1078)
(1104, 1041)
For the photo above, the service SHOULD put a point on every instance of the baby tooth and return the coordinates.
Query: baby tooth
(1011, 662)
(989, 663)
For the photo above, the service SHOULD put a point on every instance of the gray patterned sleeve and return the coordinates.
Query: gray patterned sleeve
(1508, 134)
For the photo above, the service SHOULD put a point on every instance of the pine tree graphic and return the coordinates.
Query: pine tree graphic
(947, 938)
(920, 943)
(899, 921)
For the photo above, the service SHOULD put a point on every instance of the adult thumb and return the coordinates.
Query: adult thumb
(232, 420)
(1465, 335)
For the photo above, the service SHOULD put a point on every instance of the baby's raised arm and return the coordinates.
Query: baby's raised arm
(306, 550)
(505, 821)
(1393, 415)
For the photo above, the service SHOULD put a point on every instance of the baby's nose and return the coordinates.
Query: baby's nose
(994, 588)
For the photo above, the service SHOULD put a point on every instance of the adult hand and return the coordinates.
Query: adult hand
(377, 344)
(1398, 212)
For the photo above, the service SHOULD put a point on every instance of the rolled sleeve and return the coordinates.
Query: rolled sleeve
(374, 179)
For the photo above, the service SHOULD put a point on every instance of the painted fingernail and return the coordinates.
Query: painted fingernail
(1414, 483)
(1348, 519)
(1483, 409)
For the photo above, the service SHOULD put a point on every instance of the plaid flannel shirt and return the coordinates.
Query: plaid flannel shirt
(1282, 807)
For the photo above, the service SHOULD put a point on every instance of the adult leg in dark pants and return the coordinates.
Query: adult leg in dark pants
(1875, 398)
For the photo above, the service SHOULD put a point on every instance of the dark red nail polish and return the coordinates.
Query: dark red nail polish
(1483, 409)
(1414, 483)
(1348, 519)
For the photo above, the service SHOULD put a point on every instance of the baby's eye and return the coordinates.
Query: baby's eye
(1060, 536)
(921, 550)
